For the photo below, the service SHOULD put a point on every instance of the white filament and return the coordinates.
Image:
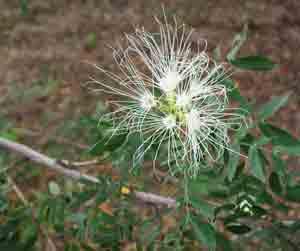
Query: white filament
(147, 101)
(169, 122)
(196, 121)
(170, 81)
(183, 100)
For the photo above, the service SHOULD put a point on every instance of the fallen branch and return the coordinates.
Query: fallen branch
(80, 163)
(77, 175)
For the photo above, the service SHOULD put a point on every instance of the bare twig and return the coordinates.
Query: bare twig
(80, 163)
(17, 191)
(77, 175)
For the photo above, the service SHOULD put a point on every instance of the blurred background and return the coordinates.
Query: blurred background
(44, 46)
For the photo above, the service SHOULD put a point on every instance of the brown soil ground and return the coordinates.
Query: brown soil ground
(43, 53)
(51, 43)
(53, 37)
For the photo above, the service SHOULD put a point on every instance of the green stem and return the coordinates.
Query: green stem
(186, 197)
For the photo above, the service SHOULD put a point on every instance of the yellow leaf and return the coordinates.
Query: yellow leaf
(125, 190)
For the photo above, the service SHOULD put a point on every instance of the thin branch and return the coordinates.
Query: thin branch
(18, 191)
(80, 163)
(77, 175)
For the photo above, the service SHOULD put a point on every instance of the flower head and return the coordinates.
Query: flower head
(175, 99)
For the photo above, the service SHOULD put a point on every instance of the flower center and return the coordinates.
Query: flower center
(169, 105)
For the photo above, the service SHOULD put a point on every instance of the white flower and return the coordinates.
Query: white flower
(169, 122)
(147, 101)
(183, 100)
(170, 81)
(172, 96)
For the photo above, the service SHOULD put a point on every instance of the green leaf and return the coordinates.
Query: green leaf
(29, 236)
(233, 162)
(241, 133)
(275, 183)
(256, 163)
(259, 211)
(279, 166)
(205, 233)
(237, 228)
(207, 184)
(238, 41)
(256, 63)
(278, 135)
(251, 182)
(10, 246)
(206, 209)
(149, 232)
(268, 109)
(217, 54)
(198, 187)
(226, 208)
(86, 247)
(9, 134)
(54, 188)
(293, 193)
(72, 247)
(91, 40)
(280, 138)
(262, 141)
(290, 150)
(235, 95)
(24, 7)
(264, 197)
(108, 144)
(223, 243)
(77, 218)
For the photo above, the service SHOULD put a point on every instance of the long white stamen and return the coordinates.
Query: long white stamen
(180, 102)
(147, 101)
(170, 81)
(169, 122)
(193, 122)
(183, 100)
